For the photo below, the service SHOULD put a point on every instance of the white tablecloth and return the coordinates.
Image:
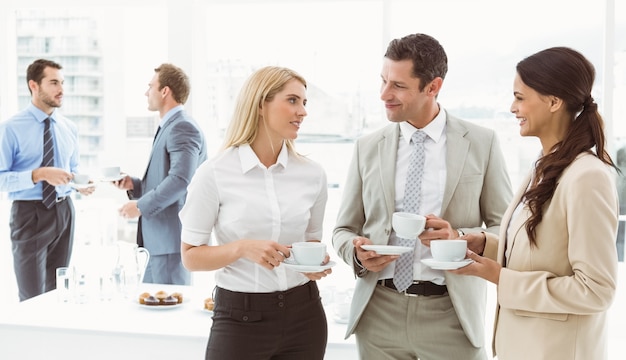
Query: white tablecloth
(43, 328)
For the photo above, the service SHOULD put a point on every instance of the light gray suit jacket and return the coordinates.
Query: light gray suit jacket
(477, 193)
(178, 149)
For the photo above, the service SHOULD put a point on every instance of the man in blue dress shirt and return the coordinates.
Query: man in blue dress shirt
(41, 232)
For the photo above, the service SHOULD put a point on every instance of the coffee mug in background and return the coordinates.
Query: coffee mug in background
(111, 172)
(309, 252)
(448, 250)
(408, 225)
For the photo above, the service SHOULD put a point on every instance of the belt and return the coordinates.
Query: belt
(59, 199)
(418, 288)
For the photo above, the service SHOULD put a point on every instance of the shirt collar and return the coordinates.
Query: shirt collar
(39, 114)
(434, 129)
(249, 160)
(170, 113)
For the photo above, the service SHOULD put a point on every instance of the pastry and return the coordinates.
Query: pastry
(170, 300)
(178, 296)
(161, 295)
(151, 301)
(142, 297)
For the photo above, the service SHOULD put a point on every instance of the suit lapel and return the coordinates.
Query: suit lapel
(387, 164)
(157, 138)
(457, 148)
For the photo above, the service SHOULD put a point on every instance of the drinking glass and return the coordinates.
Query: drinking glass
(65, 280)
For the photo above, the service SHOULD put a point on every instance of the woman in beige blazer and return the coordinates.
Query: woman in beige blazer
(555, 260)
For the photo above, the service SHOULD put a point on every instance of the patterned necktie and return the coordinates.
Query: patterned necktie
(403, 276)
(49, 191)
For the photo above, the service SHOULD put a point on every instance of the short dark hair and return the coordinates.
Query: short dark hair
(428, 56)
(35, 71)
(176, 79)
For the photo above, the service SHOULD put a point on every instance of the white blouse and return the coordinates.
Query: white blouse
(237, 197)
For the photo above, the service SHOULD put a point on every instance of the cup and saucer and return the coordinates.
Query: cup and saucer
(81, 181)
(448, 255)
(307, 257)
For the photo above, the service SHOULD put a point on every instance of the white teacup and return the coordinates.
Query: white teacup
(408, 225)
(110, 172)
(309, 252)
(81, 179)
(448, 250)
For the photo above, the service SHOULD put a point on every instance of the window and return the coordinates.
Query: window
(109, 53)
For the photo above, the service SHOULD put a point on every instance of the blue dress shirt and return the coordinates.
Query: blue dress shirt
(21, 151)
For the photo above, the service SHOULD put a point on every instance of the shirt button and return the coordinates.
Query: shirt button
(245, 318)
(281, 304)
(281, 296)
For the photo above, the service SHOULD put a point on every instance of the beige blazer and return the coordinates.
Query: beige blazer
(477, 192)
(553, 298)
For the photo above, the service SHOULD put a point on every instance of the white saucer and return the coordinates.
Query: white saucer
(387, 249)
(446, 265)
(307, 268)
(82, 186)
(113, 178)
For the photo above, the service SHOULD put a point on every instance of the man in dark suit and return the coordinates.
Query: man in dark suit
(179, 148)
(465, 189)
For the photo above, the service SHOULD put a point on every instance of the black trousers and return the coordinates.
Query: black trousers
(280, 325)
(41, 241)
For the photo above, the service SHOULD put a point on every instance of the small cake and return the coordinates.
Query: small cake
(161, 295)
(209, 304)
(142, 297)
(151, 301)
(178, 296)
(170, 300)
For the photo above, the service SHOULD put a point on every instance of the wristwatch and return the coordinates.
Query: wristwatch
(461, 233)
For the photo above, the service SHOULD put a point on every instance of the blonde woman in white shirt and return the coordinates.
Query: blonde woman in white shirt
(256, 198)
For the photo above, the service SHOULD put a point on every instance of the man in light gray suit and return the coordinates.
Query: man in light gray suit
(465, 189)
(179, 148)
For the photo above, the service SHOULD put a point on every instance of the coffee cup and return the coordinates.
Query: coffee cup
(448, 250)
(408, 225)
(309, 252)
(110, 172)
(81, 179)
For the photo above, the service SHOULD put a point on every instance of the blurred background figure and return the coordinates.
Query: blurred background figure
(178, 149)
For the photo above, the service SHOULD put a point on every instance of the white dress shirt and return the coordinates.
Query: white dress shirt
(433, 186)
(237, 197)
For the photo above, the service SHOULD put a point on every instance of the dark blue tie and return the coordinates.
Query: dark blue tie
(49, 191)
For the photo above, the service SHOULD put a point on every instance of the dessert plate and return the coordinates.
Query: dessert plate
(290, 264)
(446, 265)
(387, 249)
(159, 307)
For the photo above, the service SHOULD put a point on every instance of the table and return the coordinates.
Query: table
(43, 328)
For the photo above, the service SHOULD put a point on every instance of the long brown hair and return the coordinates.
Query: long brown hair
(568, 75)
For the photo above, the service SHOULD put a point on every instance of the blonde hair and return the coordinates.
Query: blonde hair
(261, 86)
